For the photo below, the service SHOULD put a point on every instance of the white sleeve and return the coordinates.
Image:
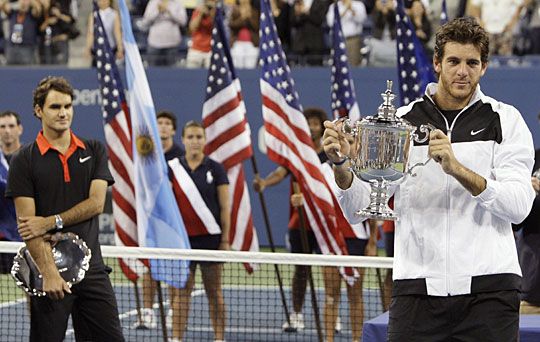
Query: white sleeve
(510, 194)
(354, 198)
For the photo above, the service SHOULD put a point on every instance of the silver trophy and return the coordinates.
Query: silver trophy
(379, 153)
(71, 256)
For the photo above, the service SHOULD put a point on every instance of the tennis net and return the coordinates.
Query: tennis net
(253, 305)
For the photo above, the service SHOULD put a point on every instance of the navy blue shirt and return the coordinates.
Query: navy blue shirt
(207, 177)
(176, 151)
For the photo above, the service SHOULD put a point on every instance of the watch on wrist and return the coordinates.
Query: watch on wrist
(58, 222)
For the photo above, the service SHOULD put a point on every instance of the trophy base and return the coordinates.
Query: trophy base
(385, 215)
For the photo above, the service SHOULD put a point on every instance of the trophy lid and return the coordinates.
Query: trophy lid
(387, 111)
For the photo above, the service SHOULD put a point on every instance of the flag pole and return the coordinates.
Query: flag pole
(305, 248)
(137, 300)
(272, 248)
(162, 311)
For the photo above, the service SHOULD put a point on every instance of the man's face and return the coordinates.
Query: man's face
(57, 112)
(10, 132)
(315, 128)
(459, 72)
(194, 140)
(166, 128)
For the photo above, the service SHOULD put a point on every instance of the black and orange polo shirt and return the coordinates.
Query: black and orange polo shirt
(58, 182)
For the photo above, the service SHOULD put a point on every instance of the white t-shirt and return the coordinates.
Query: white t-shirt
(496, 14)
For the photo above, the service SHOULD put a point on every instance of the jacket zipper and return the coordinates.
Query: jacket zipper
(446, 190)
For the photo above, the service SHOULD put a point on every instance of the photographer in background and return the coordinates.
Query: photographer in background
(200, 28)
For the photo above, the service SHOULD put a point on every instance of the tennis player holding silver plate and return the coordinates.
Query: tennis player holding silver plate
(380, 153)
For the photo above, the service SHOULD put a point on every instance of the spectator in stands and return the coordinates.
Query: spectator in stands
(308, 17)
(57, 28)
(210, 178)
(419, 18)
(163, 19)
(383, 44)
(353, 16)
(315, 118)
(528, 242)
(244, 26)
(200, 28)
(112, 24)
(534, 25)
(456, 270)
(281, 10)
(23, 30)
(499, 19)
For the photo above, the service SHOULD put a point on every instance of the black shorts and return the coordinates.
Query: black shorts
(93, 309)
(211, 242)
(487, 316)
(356, 246)
(295, 242)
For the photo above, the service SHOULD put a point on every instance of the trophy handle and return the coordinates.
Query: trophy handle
(426, 129)
(346, 128)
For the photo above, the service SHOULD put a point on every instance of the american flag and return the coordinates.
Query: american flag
(288, 137)
(444, 13)
(117, 126)
(343, 95)
(415, 70)
(228, 135)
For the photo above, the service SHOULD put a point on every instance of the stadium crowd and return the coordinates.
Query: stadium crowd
(178, 32)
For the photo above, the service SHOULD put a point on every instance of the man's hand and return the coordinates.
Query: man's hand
(441, 151)
(297, 200)
(335, 144)
(258, 184)
(536, 184)
(34, 226)
(54, 286)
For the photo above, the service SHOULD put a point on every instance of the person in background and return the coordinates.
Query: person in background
(420, 20)
(353, 16)
(56, 30)
(10, 134)
(200, 28)
(22, 40)
(307, 21)
(211, 180)
(528, 242)
(244, 26)
(163, 19)
(499, 19)
(111, 22)
(382, 45)
(281, 10)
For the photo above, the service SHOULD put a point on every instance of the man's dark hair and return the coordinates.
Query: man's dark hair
(465, 30)
(47, 84)
(191, 123)
(168, 115)
(315, 112)
(11, 113)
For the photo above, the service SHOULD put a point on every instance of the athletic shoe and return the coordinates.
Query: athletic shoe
(172, 339)
(297, 323)
(337, 327)
(148, 320)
